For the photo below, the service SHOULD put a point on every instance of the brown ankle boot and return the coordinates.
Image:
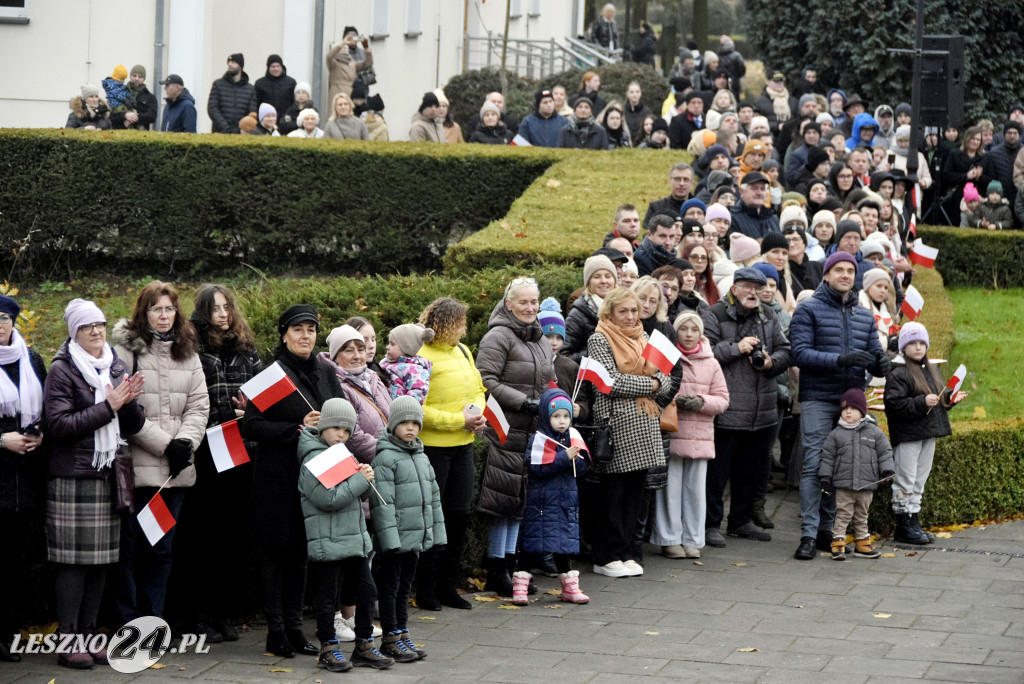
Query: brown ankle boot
(864, 549)
(839, 548)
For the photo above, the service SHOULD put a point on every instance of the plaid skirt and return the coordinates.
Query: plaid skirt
(82, 527)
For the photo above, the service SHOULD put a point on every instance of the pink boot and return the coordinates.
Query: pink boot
(520, 587)
(571, 587)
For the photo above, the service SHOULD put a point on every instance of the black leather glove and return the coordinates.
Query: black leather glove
(888, 473)
(178, 453)
(884, 365)
(826, 486)
(530, 406)
(858, 358)
(894, 343)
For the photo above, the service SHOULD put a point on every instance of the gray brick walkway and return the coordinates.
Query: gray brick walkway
(937, 615)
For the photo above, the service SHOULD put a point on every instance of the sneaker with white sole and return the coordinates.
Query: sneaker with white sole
(634, 568)
(343, 631)
(613, 569)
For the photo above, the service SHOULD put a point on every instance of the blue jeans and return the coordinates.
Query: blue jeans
(817, 419)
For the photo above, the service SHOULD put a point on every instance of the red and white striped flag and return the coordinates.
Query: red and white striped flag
(957, 380)
(915, 202)
(155, 519)
(576, 440)
(269, 387)
(594, 371)
(496, 417)
(520, 141)
(660, 351)
(334, 465)
(922, 255)
(913, 302)
(543, 450)
(227, 446)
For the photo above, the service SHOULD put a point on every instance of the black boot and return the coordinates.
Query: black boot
(916, 522)
(449, 562)
(300, 643)
(758, 515)
(277, 643)
(906, 532)
(498, 579)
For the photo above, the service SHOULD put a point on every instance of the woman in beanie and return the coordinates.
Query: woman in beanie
(515, 364)
(302, 99)
(267, 121)
(227, 352)
(22, 462)
(451, 418)
(491, 130)
(88, 110)
(307, 121)
(159, 342)
(598, 281)
(90, 405)
(277, 514)
(452, 130)
(344, 124)
(583, 132)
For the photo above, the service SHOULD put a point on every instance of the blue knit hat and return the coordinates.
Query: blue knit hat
(690, 203)
(11, 308)
(559, 402)
(550, 317)
(768, 270)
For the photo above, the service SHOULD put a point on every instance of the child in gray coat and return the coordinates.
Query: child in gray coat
(856, 456)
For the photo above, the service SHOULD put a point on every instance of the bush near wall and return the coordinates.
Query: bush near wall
(968, 257)
(144, 203)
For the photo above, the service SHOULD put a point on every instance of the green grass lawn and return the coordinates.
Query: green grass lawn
(988, 326)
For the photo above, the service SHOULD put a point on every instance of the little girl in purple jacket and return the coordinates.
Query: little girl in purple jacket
(409, 372)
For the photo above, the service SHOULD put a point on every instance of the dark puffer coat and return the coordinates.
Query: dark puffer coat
(908, 416)
(823, 328)
(579, 326)
(491, 135)
(276, 90)
(515, 363)
(753, 394)
(551, 522)
(81, 116)
(855, 458)
(587, 135)
(22, 476)
(230, 101)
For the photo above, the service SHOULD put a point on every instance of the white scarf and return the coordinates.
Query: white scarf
(96, 372)
(27, 397)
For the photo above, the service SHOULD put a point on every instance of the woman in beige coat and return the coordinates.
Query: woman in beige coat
(159, 342)
(344, 62)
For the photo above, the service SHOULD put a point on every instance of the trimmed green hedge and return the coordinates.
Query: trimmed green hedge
(977, 258)
(144, 203)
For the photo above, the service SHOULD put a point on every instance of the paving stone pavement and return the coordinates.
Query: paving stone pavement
(950, 612)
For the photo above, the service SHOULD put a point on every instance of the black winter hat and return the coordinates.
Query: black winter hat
(375, 103)
(904, 108)
(1013, 124)
(854, 398)
(659, 125)
(845, 227)
(692, 226)
(812, 126)
(539, 97)
(773, 240)
(274, 59)
(238, 58)
(348, 30)
(429, 100)
(360, 91)
(293, 315)
(815, 156)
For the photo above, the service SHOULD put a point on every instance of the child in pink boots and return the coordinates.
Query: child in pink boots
(551, 521)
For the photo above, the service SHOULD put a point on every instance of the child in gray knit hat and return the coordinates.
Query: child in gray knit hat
(409, 372)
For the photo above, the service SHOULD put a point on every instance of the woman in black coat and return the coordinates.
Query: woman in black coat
(963, 166)
(277, 516)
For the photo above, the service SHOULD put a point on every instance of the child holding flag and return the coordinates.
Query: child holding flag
(407, 520)
(337, 541)
(916, 403)
(551, 519)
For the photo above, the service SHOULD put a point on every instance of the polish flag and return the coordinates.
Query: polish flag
(155, 519)
(915, 206)
(544, 450)
(334, 465)
(660, 351)
(520, 141)
(594, 371)
(269, 387)
(226, 446)
(957, 380)
(913, 302)
(576, 440)
(496, 417)
(923, 255)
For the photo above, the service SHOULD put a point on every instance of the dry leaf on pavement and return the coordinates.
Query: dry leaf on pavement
(747, 650)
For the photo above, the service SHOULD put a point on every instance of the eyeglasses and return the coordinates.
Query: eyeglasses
(5, 319)
(93, 327)
(168, 310)
(698, 257)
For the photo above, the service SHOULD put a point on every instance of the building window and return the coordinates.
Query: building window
(534, 8)
(413, 18)
(13, 12)
(516, 10)
(380, 19)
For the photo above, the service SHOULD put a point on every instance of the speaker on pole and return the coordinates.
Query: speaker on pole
(942, 81)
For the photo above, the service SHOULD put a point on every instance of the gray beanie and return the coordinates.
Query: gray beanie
(410, 337)
(90, 89)
(337, 413)
(404, 409)
(594, 264)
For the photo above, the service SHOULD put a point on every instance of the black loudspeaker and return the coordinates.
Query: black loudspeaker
(942, 82)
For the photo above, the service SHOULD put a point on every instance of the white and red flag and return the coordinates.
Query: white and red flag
(576, 440)
(594, 371)
(923, 255)
(520, 141)
(913, 302)
(333, 465)
(496, 417)
(957, 380)
(156, 519)
(227, 446)
(269, 387)
(544, 449)
(660, 351)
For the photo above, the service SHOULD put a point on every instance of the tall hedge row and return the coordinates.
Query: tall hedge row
(140, 203)
(977, 258)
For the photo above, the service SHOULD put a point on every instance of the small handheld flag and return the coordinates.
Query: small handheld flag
(923, 255)
(520, 141)
(269, 387)
(957, 380)
(333, 465)
(660, 351)
(496, 417)
(227, 446)
(913, 302)
(156, 519)
(543, 450)
(594, 371)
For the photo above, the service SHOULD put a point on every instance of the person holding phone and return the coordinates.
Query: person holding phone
(345, 60)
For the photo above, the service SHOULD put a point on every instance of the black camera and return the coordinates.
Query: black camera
(757, 356)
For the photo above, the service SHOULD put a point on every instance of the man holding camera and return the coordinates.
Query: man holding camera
(834, 342)
(749, 344)
(344, 62)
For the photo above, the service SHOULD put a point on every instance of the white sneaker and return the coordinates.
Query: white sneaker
(377, 631)
(633, 569)
(613, 569)
(342, 629)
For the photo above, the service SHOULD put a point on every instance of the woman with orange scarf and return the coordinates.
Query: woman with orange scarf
(633, 414)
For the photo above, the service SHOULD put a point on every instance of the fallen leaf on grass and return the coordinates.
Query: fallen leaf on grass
(697, 563)
(280, 669)
(888, 555)
(652, 633)
(520, 234)
(426, 617)
(486, 598)
(747, 650)
(943, 535)
(910, 553)
(553, 183)
(553, 592)
(740, 565)
(883, 615)
(509, 606)
(979, 413)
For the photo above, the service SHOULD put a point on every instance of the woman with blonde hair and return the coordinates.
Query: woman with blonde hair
(452, 130)
(344, 123)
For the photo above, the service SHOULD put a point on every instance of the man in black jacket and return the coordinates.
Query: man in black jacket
(750, 216)
(276, 87)
(144, 114)
(680, 182)
(687, 122)
(231, 97)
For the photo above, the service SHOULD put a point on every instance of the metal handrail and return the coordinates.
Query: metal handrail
(529, 56)
(603, 54)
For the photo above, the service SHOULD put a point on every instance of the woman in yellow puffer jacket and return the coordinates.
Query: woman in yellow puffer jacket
(449, 430)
